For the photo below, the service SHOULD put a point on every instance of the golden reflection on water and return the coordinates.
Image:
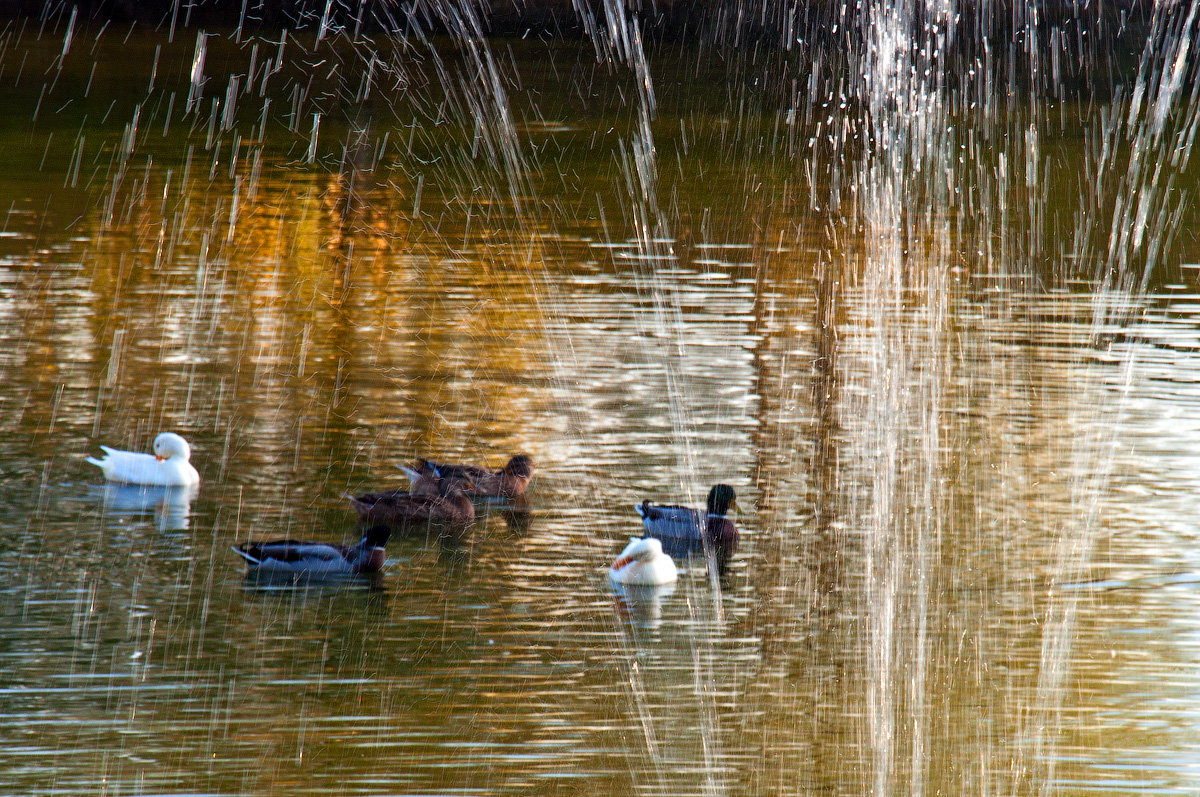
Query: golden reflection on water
(330, 332)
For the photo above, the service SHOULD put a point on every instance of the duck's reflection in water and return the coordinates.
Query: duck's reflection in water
(642, 604)
(171, 506)
(454, 547)
(316, 583)
(514, 511)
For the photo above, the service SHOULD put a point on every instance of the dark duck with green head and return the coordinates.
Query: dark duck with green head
(305, 558)
(440, 503)
(684, 531)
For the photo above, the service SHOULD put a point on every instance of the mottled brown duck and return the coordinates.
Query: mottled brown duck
(402, 509)
(508, 482)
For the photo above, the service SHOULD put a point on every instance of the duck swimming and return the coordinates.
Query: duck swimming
(508, 482)
(294, 557)
(168, 466)
(643, 563)
(684, 530)
(446, 506)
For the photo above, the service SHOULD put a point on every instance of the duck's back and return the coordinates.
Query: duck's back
(408, 509)
(294, 550)
(678, 527)
(132, 467)
(475, 481)
(643, 563)
(458, 472)
(301, 556)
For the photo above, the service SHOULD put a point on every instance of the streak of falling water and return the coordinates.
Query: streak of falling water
(619, 39)
(1143, 144)
(485, 97)
(904, 293)
(904, 189)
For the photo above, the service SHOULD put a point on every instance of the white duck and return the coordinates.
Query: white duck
(167, 467)
(643, 562)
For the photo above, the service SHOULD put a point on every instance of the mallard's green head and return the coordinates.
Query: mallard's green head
(377, 536)
(720, 498)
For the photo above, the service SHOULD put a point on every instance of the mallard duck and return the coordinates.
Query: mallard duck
(295, 557)
(447, 506)
(168, 466)
(508, 482)
(685, 531)
(644, 563)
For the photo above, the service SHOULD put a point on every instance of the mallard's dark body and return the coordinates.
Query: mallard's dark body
(684, 531)
(303, 557)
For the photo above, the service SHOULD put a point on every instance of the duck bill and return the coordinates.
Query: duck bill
(621, 561)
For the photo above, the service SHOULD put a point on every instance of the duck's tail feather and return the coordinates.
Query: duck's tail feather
(410, 473)
(99, 463)
(242, 552)
(359, 506)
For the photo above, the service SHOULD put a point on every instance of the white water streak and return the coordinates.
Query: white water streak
(1155, 132)
(900, 187)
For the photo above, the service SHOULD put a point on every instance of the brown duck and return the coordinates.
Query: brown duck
(478, 482)
(447, 505)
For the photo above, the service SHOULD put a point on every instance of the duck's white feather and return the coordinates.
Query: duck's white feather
(131, 467)
(643, 562)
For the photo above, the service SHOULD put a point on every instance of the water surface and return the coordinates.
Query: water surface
(966, 514)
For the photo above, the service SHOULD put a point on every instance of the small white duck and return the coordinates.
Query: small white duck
(167, 467)
(643, 562)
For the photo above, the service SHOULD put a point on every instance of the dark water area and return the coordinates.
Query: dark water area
(963, 453)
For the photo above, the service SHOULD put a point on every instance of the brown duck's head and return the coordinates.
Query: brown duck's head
(520, 466)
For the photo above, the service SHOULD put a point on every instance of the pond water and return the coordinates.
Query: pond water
(968, 559)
